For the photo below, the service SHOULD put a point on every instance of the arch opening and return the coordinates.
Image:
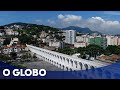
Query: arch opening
(71, 62)
(75, 63)
(86, 66)
(80, 65)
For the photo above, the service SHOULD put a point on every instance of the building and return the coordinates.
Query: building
(80, 44)
(100, 41)
(95, 34)
(113, 40)
(43, 34)
(119, 41)
(11, 32)
(2, 32)
(17, 48)
(83, 38)
(110, 40)
(14, 41)
(0, 51)
(56, 44)
(70, 37)
(1, 41)
(116, 40)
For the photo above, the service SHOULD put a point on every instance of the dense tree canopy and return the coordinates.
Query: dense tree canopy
(112, 50)
(6, 41)
(91, 50)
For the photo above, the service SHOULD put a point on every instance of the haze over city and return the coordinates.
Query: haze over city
(107, 22)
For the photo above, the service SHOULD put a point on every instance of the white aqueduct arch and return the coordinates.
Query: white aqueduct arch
(64, 61)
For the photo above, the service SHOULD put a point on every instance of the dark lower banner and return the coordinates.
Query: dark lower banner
(12, 72)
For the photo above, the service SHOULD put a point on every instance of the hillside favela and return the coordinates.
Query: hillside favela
(70, 42)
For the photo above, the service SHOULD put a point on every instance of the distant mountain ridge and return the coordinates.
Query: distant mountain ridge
(81, 30)
(44, 27)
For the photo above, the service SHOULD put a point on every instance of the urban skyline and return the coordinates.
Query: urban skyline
(107, 22)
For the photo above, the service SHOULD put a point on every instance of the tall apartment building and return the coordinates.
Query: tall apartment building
(113, 40)
(119, 41)
(70, 37)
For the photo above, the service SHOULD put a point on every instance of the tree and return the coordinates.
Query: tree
(94, 50)
(112, 49)
(6, 41)
(5, 57)
(66, 50)
(25, 39)
(13, 55)
(34, 56)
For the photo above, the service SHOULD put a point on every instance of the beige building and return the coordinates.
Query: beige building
(80, 44)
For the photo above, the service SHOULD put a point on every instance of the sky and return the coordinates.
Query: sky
(107, 22)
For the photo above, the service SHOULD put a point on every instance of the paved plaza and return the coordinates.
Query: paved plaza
(41, 64)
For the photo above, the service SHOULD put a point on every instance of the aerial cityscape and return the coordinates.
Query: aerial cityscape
(59, 40)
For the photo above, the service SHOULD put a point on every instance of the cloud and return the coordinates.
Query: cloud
(95, 19)
(102, 22)
(51, 21)
(102, 25)
(38, 20)
(69, 18)
(95, 23)
(61, 16)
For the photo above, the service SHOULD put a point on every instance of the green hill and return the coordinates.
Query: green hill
(28, 27)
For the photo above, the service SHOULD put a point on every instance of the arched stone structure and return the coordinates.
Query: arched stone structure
(62, 61)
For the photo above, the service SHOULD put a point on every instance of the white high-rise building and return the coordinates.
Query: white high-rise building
(116, 40)
(70, 37)
(119, 41)
(109, 40)
(113, 40)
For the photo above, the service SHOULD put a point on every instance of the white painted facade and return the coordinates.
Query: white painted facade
(14, 40)
(2, 33)
(113, 40)
(83, 38)
(64, 61)
(11, 32)
(43, 34)
(80, 44)
(70, 36)
(11, 49)
(119, 41)
(56, 44)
